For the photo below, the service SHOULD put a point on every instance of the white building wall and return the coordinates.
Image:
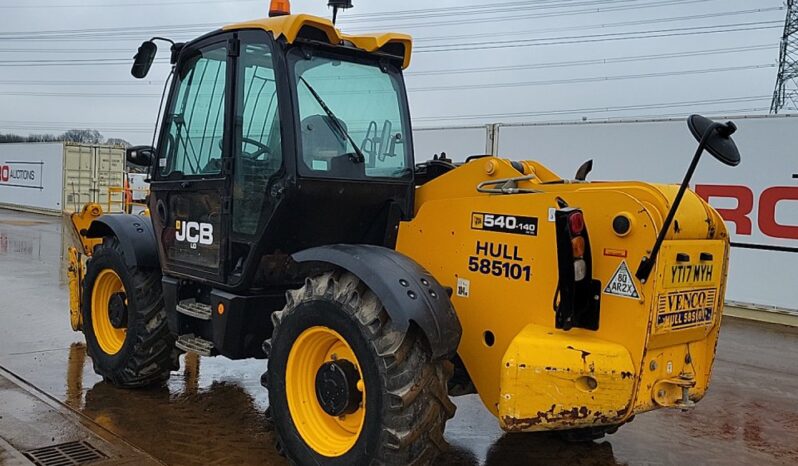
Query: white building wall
(31, 175)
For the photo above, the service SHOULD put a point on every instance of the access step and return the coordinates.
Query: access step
(192, 308)
(194, 344)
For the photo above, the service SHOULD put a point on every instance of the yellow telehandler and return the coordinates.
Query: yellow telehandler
(290, 221)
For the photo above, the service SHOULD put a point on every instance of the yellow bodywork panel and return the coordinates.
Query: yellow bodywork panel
(81, 221)
(504, 285)
(290, 27)
(554, 377)
(75, 273)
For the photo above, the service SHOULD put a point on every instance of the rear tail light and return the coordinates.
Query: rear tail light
(577, 300)
(578, 247)
(576, 222)
(580, 270)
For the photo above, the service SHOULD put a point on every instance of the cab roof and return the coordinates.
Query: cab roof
(306, 26)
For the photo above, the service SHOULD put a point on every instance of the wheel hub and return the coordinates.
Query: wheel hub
(117, 310)
(337, 387)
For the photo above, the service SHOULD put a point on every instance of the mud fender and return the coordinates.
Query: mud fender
(409, 293)
(135, 234)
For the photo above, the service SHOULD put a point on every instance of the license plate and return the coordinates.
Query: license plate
(685, 309)
(691, 275)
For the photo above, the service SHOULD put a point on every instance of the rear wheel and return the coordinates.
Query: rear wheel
(124, 320)
(346, 388)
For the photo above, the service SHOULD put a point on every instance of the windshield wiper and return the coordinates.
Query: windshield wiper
(357, 157)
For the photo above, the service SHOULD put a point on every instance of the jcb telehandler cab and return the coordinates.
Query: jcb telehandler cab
(289, 221)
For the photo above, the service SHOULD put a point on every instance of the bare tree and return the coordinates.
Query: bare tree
(117, 142)
(8, 138)
(85, 136)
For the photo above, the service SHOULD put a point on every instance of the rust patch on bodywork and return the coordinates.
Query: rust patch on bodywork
(576, 416)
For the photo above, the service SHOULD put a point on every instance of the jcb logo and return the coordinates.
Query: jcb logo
(194, 232)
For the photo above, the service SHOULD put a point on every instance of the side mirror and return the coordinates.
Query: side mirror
(719, 142)
(143, 59)
(716, 139)
(140, 155)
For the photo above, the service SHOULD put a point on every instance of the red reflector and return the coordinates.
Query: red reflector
(576, 222)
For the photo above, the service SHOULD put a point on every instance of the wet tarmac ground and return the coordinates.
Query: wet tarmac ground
(212, 410)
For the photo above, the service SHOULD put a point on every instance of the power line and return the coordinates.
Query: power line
(156, 29)
(471, 36)
(516, 17)
(77, 94)
(470, 10)
(56, 126)
(483, 86)
(140, 128)
(71, 62)
(114, 5)
(607, 109)
(609, 25)
(60, 82)
(435, 72)
(551, 82)
(564, 40)
(594, 61)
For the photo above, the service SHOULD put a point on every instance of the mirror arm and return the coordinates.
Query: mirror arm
(647, 262)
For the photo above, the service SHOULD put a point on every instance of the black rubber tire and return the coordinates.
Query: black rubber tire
(412, 404)
(148, 353)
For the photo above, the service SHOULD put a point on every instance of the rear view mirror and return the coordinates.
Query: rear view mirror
(140, 155)
(718, 142)
(143, 59)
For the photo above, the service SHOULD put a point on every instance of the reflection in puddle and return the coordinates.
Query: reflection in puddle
(185, 422)
(14, 245)
(179, 423)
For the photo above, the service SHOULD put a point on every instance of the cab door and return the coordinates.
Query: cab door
(191, 176)
(259, 165)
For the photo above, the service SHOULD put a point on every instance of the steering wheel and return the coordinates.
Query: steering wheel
(263, 149)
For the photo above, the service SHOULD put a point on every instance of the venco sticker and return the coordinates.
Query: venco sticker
(685, 309)
(21, 174)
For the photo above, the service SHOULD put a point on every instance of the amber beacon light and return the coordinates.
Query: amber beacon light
(279, 8)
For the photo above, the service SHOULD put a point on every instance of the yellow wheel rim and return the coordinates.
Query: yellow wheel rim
(328, 435)
(108, 337)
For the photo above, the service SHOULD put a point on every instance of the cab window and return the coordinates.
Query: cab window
(192, 142)
(365, 111)
(258, 148)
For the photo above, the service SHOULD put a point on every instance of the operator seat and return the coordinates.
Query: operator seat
(324, 144)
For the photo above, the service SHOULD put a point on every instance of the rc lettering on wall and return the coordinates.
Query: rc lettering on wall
(742, 216)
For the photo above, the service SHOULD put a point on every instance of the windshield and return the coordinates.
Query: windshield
(347, 110)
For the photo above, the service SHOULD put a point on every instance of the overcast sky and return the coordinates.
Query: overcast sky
(66, 63)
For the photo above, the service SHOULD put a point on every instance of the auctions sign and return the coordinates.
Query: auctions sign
(21, 174)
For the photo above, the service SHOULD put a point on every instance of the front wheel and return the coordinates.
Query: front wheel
(124, 320)
(345, 388)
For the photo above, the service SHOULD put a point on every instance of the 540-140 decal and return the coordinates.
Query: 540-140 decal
(505, 223)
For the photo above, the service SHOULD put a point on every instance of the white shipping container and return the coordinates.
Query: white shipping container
(57, 177)
(758, 198)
